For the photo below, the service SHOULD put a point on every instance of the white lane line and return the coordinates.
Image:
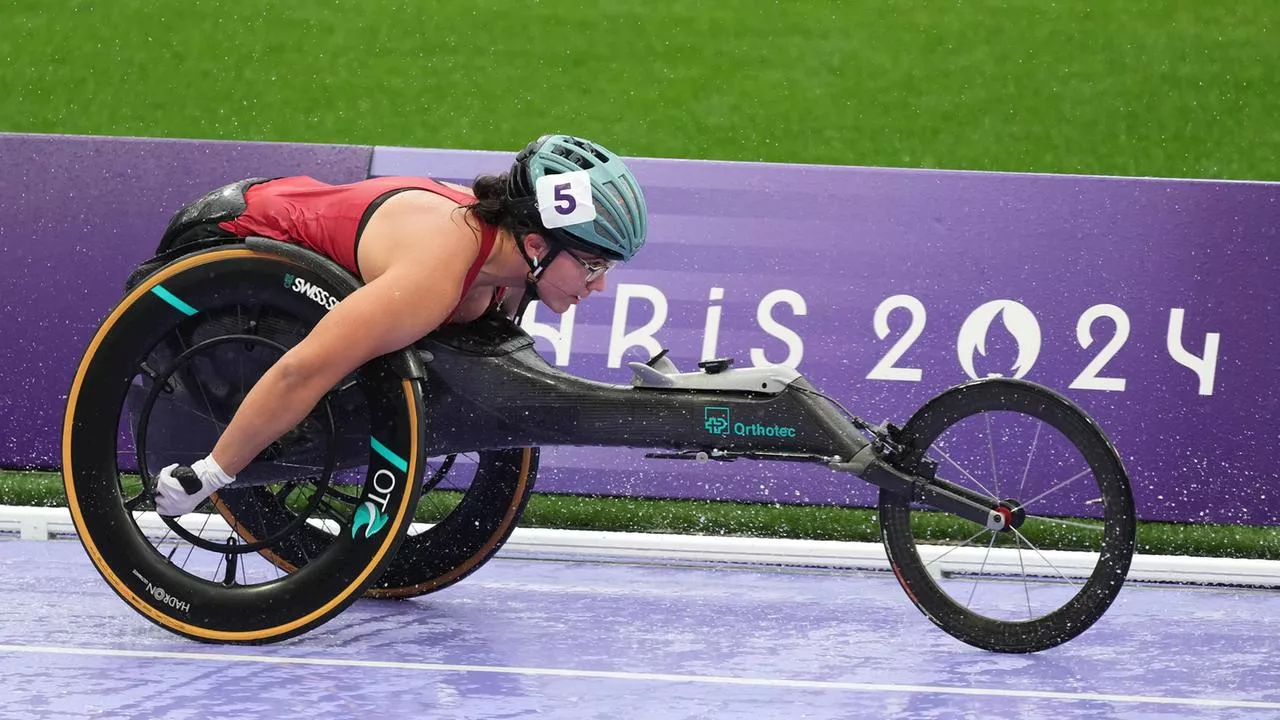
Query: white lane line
(641, 677)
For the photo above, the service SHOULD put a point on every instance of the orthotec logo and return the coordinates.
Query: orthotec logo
(319, 295)
(717, 421)
(369, 517)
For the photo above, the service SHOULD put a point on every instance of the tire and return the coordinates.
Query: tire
(146, 360)
(455, 540)
(975, 583)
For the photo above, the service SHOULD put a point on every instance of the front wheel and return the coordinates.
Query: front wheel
(1055, 570)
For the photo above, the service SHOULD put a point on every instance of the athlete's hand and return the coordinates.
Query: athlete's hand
(179, 489)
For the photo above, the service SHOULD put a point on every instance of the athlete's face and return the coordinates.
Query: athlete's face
(571, 278)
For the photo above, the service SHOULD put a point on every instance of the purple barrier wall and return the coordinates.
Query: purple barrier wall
(882, 286)
(1150, 302)
(76, 215)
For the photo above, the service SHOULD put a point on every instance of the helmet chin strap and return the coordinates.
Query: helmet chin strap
(533, 276)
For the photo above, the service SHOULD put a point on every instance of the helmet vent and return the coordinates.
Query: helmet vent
(572, 156)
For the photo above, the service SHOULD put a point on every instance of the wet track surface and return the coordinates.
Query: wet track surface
(587, 639)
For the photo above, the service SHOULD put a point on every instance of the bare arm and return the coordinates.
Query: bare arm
(395, 310)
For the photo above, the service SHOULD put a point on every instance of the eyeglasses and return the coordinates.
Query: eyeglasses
(595, 268)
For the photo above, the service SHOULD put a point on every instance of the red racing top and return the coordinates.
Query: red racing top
(330, 218)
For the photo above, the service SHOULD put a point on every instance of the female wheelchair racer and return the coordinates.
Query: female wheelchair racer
(428, 254)
(325, 512)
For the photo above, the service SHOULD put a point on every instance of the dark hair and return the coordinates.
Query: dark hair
(493, 206)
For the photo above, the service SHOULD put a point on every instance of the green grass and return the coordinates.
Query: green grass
(770, 521)
(1176, 88)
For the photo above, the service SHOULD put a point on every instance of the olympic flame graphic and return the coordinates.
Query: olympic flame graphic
(1018, 321)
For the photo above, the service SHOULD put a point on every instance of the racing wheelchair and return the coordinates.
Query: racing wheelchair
(414, 470)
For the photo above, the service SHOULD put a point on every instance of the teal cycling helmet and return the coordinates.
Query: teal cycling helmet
(621, 223)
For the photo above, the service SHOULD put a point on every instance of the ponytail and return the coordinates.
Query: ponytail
(493, 206)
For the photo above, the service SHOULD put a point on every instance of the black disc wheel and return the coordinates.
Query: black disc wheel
(159, 382)
(1064, 496)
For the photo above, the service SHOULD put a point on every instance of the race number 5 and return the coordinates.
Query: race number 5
(565, 199)
(562, 196)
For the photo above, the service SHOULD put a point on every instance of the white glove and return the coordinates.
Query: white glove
(180, 489)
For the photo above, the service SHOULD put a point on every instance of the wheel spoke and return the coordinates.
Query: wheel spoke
(282, 494)
(314, 469)
(1060, 521)
(302, 546)
(200, 386)
(982, 568)
(327, 509)
(991, 450)
(966, 543)
(190, 549)
(1030, 453)
(1056, 488)
(1026, 587)
(965, 472)
(1043, 559)
(342, 497)
(163, 538)
(170, 403)
(281, 498)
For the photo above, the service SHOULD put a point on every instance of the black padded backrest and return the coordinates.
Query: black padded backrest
(225, 203)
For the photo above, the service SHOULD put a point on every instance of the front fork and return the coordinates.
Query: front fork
(876, 463)
(870, 464)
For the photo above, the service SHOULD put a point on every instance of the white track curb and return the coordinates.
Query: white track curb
(35, 523)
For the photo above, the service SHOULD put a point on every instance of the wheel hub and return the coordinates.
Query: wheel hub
(1011, 512)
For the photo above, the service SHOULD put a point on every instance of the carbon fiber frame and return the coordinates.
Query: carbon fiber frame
(487, 388)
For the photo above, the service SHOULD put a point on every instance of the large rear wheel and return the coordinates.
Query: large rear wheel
(157, 385)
